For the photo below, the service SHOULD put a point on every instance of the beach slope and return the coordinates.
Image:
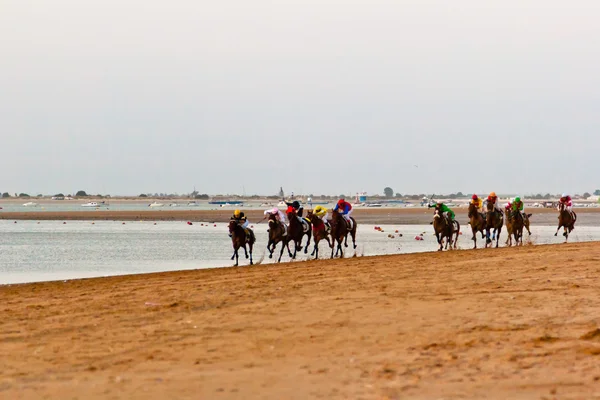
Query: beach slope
(516, 323)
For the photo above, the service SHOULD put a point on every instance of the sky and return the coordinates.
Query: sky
(321, 97)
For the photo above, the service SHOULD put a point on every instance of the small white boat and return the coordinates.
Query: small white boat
(155, 204)
(173, 205)
(192, 204)
(91, 204)
(374, 205)
(30, 204)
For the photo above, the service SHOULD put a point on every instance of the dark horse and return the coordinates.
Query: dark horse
(509, 227)
(320, 232)
(494, 222)
(239, 238)
(477, 222)
(565, 220)
(443, 229)
(296, 231)
(517, 223)
(340, 231)
(277, 233)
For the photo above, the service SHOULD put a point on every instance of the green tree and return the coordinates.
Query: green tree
(597, 192)
(388, 192)
(586, 195)
(23, 195)
(81, 193)
(5, 195)
(398, 195)
(143, 195)
(202, 196)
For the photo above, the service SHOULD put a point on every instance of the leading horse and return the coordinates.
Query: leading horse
(494, 223)
(477, 222)
(566, 220)
(444, 229)
(239, 238)
(340, 230)
(320, 232)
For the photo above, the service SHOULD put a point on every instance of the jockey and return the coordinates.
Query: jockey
(565, 200)
(518, 206)
(295, 206)
(279, 216)
(321, 212)
(508, 206)
(477, 202)
(239, 217)
(492, 198)
(446, 211)
(346, 210)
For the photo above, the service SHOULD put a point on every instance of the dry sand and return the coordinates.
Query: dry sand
(384, 215)
(517, 323)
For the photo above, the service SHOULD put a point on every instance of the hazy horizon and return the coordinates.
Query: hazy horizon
(330, 96)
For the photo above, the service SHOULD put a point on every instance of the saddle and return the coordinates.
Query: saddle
(305, 224)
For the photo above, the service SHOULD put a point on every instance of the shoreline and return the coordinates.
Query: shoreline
(385, 215)
(476, 324)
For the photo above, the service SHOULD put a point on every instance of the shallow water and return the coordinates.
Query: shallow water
(50, 250)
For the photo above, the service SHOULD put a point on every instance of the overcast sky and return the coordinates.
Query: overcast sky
(317, 96)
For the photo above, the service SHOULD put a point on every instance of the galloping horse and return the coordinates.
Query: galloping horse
(320, 232)
(443, 229)
(239, 238)
(494, 221)
(339, 232)
(565, 220)
(297, 230)
(517, 223)
(277, 233)
(477, 223)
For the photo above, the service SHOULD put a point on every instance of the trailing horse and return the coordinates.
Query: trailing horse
(277, 234)
(477, 222)
(340, 231)
(444, 229)
(566, 220)
(239, 238)
(320, 232)
(494, 223)
(296, 231)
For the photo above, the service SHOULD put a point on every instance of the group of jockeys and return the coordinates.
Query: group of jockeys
(342, 206)
(514, 205)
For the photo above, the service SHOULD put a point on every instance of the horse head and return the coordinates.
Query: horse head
(472, 210)
(232, 225)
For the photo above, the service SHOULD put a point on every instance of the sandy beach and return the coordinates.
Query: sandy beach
(405, 216)
(516, 323)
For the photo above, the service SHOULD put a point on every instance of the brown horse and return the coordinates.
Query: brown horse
(565, 220)
(518, 222)
(509, 227)
(239, 238)
(477, 222)
(340, 231)
(296, 231)
(320, 232)
(444, 229)
(277, 233)
(494, 223)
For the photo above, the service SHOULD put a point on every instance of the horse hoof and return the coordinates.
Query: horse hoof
(271, 256)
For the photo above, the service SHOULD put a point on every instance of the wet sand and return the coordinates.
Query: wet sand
(516, 323)
(384, 215)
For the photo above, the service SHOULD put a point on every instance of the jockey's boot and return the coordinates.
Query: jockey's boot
(327, 226)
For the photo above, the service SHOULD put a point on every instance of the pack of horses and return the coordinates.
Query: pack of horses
(490, 225)
(293, 233)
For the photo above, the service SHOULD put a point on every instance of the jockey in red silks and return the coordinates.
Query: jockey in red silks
(346, 209)
(565, 199)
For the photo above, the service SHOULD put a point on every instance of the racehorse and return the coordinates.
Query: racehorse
(320, 232)
(565, 220)
(296, 231)
(517, 223)
(340, 231)
(443, 229)
(277, 233)
(477, 223)
(494, 222)
(239, 238)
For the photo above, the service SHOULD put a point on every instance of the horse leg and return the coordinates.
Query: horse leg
(498, 237)
(557, 229)
(235, 254)
(309, 234)
(251, 245)
(283, 244)
(269, 249)
(246, 251)
(353, 234)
